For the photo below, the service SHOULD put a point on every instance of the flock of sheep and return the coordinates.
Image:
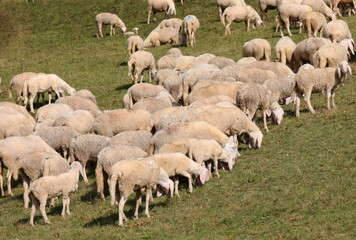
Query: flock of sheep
(183, 125)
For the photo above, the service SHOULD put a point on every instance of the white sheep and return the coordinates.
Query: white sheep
(13, 123)
(291, 11)
(223, 4)
(320, 79)
(190, 26)
(52, 111)
(163, 74)
(139, 138)
(141, 91)
(85, 93)
(266, 5)
(284, 50)
(175, 23)
(154, 104)
(166, 6)
(255, 75)
(108, 19)
(279, 69)
(184, 63)
(171, 118)
(17, 83)
(212, 101)
(20, 109)
(156, 117)
(337, 31)
(162, 36)
(203, 59)
(320, 6)
(44, 123)
(330, 55)
(180, 145)
(78, 103)
(221, 62)
(140, 61)
(174, 85)
(257, 48)
(315, 21)
(54, 186)
(134, 32)
(134, 44)
(80, 121)
(168, 61)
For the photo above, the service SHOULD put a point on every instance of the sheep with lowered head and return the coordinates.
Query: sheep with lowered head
(154, 104)
(134, 44)
(330, 55)
(108, 19)
(141, 91)
(80, 121)
(17, 83)
(13, 123)
(20, 109)
(190, 26)
(166, 6)
(78, 103)
(163, 74)
(223, 4)
(284, 50)
(168, 61)
(52, 111)
(320, 6)
(337, 31)
(180, 145)
(174, 85)
(139, 138)
(291, 11)
(314, 21)
(163, 36)
(140, 61)
(257, 48)
(85, 93)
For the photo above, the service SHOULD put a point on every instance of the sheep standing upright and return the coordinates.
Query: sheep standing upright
(223, 4)
(108, 19)
(266, 5)
(166, 6)
(189, 27)
(284, 50)
(140, 61)
(337, 31)
(315, 21)
(134, 44)
(258, 48)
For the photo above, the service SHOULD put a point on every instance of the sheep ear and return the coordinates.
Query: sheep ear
(351, 47)
(288, 100)
(268, 112)
(339, 71)
(231, 139)
(229, 163)
(349, 68)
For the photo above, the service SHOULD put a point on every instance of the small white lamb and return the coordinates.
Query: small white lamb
(140, 61)
(166, 6)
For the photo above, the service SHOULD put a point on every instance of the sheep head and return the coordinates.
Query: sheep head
(342, 69)
(254, 139)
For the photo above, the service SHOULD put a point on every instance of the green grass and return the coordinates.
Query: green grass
(299, 185)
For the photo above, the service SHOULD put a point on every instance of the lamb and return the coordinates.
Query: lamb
(14, 147)
(20, 109)
(80, 121)
(284, 50)
(133, 175)
(41, 83)
(17, 83)
(205, 150)
(140, 138)
(113, 122)
(163, 36)
(86, 148)
(134, 44)
(175, 164)
(330, 55)
(239, 14)
(180, 145)
(183, 63)
(156, 117)
(14, 124)
(84, 93)
(108, 19)
(313, 80)
(166, 6)
(57, 137)
(133, 33)
(163, 74)
(174, 86)
(221, 62)
(54, 186)
(223, 4)
(320, 6)
(255, 75)
(78, 103)
(190, 26)
(141, 91)
(289, 11)
(140, 61)
(279, 69)
(108, 157)
(257, 48)
(337, 31)
(168, 61)
(315, 21)
(44, 123)
(266, 5)
(52, 111)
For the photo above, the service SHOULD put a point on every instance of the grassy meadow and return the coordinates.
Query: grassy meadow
(300, 185)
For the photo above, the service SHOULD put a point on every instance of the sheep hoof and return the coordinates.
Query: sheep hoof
(11, 194)
(135, 217)
(47, 222)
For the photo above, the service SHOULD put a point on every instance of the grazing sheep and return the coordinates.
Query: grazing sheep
(184, 63)
(282, 88)
(313, 80)
(279, 69)
(330, 55)
(320, 6)
(245, 61)
(78, 103)
(166, 6)
(168, 61)
(14, 123)
(239, 14)
(291, 11)
(255, 75)
(57, 137)
(336, 3)
(126, 102)
(223, 4)
(140, 138)
(203, 59)
(206, 80)
(44, 123)
(110, 123)
(257, 48)
(13, 148)
(141, 91)
(134, 32)
(140, 61)
(175, 164)
(190, 26)
(156, 117)
(80, 121)
(175, 23)
(163, 74)
(212, 101)
(174, 86)
(134, 44)
(133, 175)
(86, 148)
(163, 36)
(84, 93)
(221, 62)
(108, 157)
(284, 50)
(17, 83)
(315, 21)
(20, 109)
(54, 186)
(266, 5)
(108, 19)
(337, 31)
(172, 118)
(180, 145)
(52, 111)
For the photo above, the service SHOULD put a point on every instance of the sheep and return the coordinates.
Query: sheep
(113, 122)
(180, 145)
(239, 14)
(315, 21)
(212, 101)
(291, 11)
(52, 111)
(174, 86)
(140, 138)
(330, 55)
(54, 186)
(184, 63)
(133, 175)
(199, 130)
(168, 61)
(108, 156)
(255, 75)
(86, 148)
(57, 137)
(84, 93)
(41, 83)
(80, 121)
(336, 3)
(141, 91)
(163, 74)
(14, 124)
(190, 26)
(14, 147)
(245, 61)
(203, 59)
(78, 103)
(257, 48)
(279, 69)
(17, 83)
(126, 102)
(175, 23)
(134, 44)
(155, 118)
(140, 61)
(223, 4)
(166, 6)
(284, 50)
(221, 62)
(163, 36)
(313, 80)
(337, 31)
(20, 109)
(320, 6)
(171, 118)
(266, 5)
(175, 164)
(205, 150)
(108, 19)
(44, 123)
(133, 33)
(282, 88)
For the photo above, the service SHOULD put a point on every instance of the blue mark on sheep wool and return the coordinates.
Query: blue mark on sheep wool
(188, 17)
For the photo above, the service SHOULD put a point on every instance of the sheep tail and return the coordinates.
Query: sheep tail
(27, 195)
(9, 90)
(16, 168)
(223, 18)
(131, 65)
(130, 99)
(25, 90)
(100, 180)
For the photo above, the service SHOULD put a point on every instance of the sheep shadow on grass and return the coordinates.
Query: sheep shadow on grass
(123, 87)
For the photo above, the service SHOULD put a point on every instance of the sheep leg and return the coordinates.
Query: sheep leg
(297, 105)
(112, 189)
(215, 160)
(138, 202)
(176, 183)
(193, 36)
(149, 74)
(64, 200)
(220, 13)
(111, 27)
(35, 205)
(141, 77)
(149, 15)
(43, 202)
(209, 169)
(227, 29)
(84, 173)
(9, 175)
(154, 16)
(136, 76)
(328, 95)
(265, 121)
(1, 181)
(121, 210)
(113, 30)
(332, 99)
(147, 201)
(247, 25)
(68, 201)
(307, 99)
(26, 183)
(287, 23)
(190, 180)
(32, 97)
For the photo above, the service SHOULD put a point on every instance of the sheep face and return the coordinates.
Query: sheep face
(277, 113)
(342, 68)
(71, 91)
(230, 153)
(203, 176)
(253, 139)
(167, 188)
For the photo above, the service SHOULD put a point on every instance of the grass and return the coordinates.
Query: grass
(299, 185)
